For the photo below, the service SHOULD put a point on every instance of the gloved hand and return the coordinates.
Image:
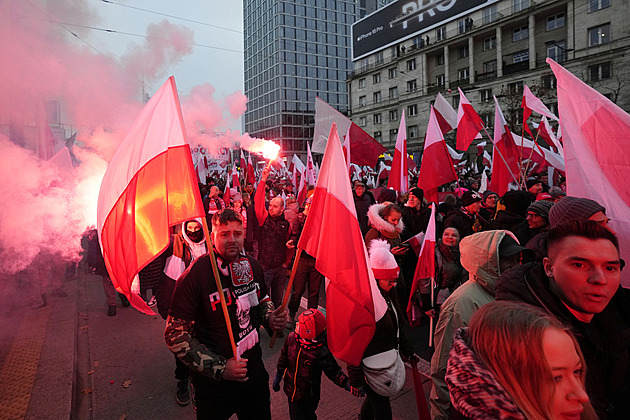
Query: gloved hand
(357, 392)
(276, 382)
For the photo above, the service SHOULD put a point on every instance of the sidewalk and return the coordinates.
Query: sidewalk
(70, 360)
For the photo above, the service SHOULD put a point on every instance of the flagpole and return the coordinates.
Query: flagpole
(287, 292)
(501, 155)
(432, 306)
(217, 279)
(532, 152)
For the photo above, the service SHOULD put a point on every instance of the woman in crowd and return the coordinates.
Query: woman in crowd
(515, 361)
(382, 373)
(449, 273)
(386, 223)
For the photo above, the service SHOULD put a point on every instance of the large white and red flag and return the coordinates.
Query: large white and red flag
(436, 167)
(399, 175)
(425, 268)
(149, 185)
(445, 114)
(505, 155)
(353, 301)
(469, 123)
(596, 135)
(531, 103)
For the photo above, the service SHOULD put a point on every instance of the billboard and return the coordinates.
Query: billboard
(403, 19)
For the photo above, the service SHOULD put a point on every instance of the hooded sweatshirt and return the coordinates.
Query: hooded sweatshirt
(480, 257)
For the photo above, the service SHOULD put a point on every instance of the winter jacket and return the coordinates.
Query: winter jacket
(464, 222)
(385, 337)
(273, 233)
(480, 257)
(415, 221)
(506, 220)
(475, 392)
(302, 369)
(538, 244)
(381, 229)
(362, 204)
(449, 274)
(605, 341)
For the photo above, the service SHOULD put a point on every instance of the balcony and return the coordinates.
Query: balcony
(486, 76)
(515, 68)
(460, 82)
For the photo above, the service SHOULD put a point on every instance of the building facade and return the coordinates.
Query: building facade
(485, 48)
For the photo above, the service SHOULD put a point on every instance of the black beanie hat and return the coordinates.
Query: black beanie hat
(417, 192)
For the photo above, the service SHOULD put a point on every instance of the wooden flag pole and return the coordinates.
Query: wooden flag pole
(217, 279)
(287, 293)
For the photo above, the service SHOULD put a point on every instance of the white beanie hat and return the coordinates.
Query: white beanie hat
(382, 261)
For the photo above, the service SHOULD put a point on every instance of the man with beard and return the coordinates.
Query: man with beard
(224, 385)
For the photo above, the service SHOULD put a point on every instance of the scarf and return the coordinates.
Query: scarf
(474, 390)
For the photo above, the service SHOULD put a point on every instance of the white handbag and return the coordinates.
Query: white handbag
(385, 372)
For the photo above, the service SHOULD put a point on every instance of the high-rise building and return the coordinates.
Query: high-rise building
(407, 52)
(294, 51)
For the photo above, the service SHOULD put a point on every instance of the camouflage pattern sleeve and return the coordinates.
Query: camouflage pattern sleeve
(266, 308)
(189, 350)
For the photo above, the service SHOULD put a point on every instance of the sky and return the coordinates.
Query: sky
(216, 59)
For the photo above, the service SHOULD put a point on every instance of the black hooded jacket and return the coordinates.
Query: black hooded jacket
(605, 341)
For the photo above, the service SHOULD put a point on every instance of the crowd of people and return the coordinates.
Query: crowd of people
(529, 318)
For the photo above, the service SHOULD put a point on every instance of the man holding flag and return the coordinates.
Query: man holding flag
(223, 383)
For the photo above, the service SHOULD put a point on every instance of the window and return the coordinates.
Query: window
(599, 71)
(376, 96)
(413, 131)
(548, 81)
(393, 115)
(556, 51)
(363, 121)
(377, 118)
(520, 56)
(362, 101)
(486, 95)
(490, 43)
(411, 64)
(411, 85)
(439, 59)
(379, 57)
(362, 83)
(490, 14)
(519, 5)
(520, 33)
(365, 64)
(418, 42)
(378, 136)
(392, 73)
(412, 110)
(463, 74)
(393, 92)
(490, 68)
(599, 35)
(440, 33)
(516, 87)
(555, 22)
(595, 5)
(376, 78)
(440, 80)
(393, 135)
(456, 101)
(462, 52)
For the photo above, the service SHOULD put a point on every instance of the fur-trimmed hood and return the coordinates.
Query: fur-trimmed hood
(380, 224)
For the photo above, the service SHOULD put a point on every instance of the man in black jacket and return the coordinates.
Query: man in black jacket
(579, 283)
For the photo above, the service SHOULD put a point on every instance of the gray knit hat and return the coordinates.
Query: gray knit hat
(572, 208)
(541, 208)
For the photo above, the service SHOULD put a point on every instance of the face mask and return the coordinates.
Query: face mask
(195, 236)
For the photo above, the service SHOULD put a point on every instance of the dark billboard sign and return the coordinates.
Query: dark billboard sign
(405, 18)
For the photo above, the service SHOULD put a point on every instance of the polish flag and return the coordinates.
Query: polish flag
(383, 171)
(297, 163)
(487, 159)
(469, 123)
(545, 131)
(346, 148)
(532, 103)
(353, 301)
(457, 157)
(226, 191)
(416, 242)
(149, 186)
(302, 189)
(399, 175)
(505, 154)
(445, 114)
(437, 166)
(596, 144)
(243, 162)
(311, 178)
(251, 175)
(425, 268)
